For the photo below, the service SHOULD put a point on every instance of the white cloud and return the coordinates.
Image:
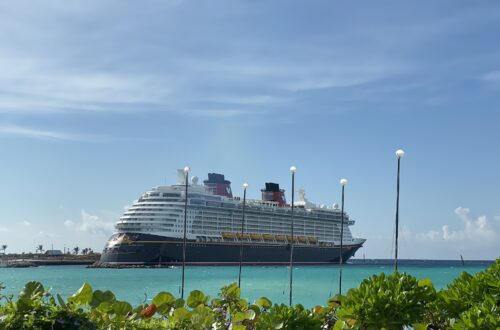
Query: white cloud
(69, 224)
(38, 85)
(45, 234)
(27, 223)
(220, 113)
(475, 237)
(431, 235)
(250, 100)
(478, 230)
(492, 76)
(3, 229)
(90, 224)
(35, 133)
(474, 229)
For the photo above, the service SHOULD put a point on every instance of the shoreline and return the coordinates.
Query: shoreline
(94, 262)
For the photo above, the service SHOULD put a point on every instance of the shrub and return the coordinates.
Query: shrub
(380, 302)
(467, 298)
(389, 302)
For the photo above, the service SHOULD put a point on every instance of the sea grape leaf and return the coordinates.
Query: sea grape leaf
(32, 290)
(179, 303)
(255, 308)
(181, 314)
(99, 297)
(121, 308)
(164, 302)
(264, 303)
(239, 316)
(82, 296)
(250, 315)
(163, 298)
(105, 307)
(196, 298)
(234, 291)
(202, 317)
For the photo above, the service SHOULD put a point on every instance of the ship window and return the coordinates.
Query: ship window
(171, 195)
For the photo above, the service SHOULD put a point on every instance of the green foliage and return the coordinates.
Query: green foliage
(380, 302)
(36, 308)
(284, 317)
(470, 300)
(264, 303)
(197, 298)
(164, 302)
(388, 302)
(485, 316)
(83, 296)
(99, 297)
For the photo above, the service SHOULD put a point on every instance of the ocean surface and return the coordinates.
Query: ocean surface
(312, 284)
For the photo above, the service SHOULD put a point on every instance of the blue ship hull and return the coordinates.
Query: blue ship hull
(150, 250)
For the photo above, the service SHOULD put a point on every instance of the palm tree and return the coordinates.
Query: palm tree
(4, 247)
(39, 248)
(84, 251)
(76, 249)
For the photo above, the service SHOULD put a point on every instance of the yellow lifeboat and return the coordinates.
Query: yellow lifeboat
(256, 237)
(268, 237)
(312, 240)
(244, 236)
(280, 237)
(228, 235)
(302, 239)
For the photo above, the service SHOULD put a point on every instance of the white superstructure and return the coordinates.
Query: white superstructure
(212, 217)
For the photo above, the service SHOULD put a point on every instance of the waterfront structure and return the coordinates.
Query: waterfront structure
(151, 231)
(54, 253)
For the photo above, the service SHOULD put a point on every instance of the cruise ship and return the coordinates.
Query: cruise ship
(151, 231)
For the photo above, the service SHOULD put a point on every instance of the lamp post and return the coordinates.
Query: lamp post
(186, 174)
(293, 169)
(399, 154)
(343, 183)
(245, 186)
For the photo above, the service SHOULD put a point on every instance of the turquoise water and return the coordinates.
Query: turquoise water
(312, 285)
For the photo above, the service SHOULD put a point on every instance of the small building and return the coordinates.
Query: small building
(53, 253)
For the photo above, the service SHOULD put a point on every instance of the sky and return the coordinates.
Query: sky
(102, 100)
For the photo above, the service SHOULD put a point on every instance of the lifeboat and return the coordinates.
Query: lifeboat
(302, 239)
(280, 237)
(268, 237)
(312, 240)
(244, 236)
(227, 235)
(256, 237)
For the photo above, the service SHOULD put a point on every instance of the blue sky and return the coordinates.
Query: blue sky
(102, 100)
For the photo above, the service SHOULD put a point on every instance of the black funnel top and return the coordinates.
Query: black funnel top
(272, 186)
(216, 178)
